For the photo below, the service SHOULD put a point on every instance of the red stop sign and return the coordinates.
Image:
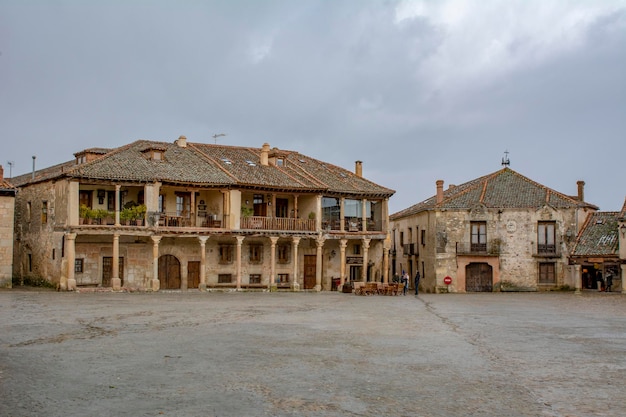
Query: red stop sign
(447, 280)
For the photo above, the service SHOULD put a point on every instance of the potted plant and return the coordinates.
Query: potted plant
(99, 214)
(126, 215)
(139, 213)
(83, 213)
(246, 211)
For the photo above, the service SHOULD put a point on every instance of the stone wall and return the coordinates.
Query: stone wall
(7, 206)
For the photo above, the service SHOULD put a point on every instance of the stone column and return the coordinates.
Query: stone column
(116, 282)
(295, 285)
(273, 284)
(386, 264)
(239, 243)
(578, 279)
(318, 264)
(366, 246)
(117, 204)
(343, 243)
(70, 250)
(202, 240)
(156, 285)
(623, 266)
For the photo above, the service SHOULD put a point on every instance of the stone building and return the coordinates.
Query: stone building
(499, 232)
(600, 251)
(7, 204)
(157, 215)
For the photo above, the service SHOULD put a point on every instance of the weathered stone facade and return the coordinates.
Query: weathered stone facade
(491, 226)
(213, 217)
(7, 210)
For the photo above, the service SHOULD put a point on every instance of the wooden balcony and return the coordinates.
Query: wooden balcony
(484, 249)
(277, 223)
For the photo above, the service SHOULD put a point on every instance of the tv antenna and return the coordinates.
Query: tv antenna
(10, 164)
(505, 159)
(217, 135)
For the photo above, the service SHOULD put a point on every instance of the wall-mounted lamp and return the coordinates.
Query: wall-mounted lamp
(269, 203)
(332, 254)
(623, 230)
(247, 202)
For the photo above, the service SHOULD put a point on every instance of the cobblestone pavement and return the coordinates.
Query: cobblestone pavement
(309, 354)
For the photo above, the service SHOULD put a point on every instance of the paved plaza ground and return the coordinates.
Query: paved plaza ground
(311, 354)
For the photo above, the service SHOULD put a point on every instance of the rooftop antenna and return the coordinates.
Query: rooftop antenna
(217, 135)
(505, 159)
(34, 157)
(10, 164)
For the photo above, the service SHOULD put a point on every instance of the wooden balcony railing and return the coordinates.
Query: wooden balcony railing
(277, 223)
(467, 248)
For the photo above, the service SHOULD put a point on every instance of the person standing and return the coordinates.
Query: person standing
(405, 282)
(417, 281)
(609, 282)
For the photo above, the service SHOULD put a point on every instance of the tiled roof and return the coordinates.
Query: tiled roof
(599, 235)
(214, 165)
(502, 189)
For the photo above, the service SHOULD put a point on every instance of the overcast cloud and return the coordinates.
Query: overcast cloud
(417, 90)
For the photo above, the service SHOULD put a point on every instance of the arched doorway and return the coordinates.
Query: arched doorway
(478, 277)
(169, 272)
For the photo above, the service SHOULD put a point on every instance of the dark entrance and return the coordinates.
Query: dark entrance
(169, 272)
(478, 277)
(107, 271)
(310, 264)
(193, 274)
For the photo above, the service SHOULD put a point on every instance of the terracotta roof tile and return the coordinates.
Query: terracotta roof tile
(502, 189)
(599, 235)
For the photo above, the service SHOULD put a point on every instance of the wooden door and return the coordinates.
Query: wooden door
(107, 271)
(478, 277)
(193, 274)
(169, 272)
(310, 269)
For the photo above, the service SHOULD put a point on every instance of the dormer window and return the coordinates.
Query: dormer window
(280, 162)
(154, 154)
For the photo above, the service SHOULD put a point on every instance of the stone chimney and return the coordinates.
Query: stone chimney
(181, 141)
(265, 152)
(439, 191)
(358, 168)
(581, 190)
(1, 173)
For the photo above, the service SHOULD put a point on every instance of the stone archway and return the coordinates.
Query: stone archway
(169, 272)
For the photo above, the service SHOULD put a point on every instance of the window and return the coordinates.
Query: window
(545, 238)
(547, 273)
(78, 265)
(283, 251)
(280, 162)
(356, 249)
(30, 262)
(402, 239)
(183, 204)
(111, 200)
(256, 254)
(161, 203)
(423, 237)
(479, 237)
(44, 212)
(226, 254)
(29, 207)
(283, 278)
(224, 278)
(255, 278)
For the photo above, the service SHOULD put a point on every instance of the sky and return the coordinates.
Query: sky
(417, 90)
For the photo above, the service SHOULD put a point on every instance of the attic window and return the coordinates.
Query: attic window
(227, 161)
(343, 175)
(280, 162)
(302, 161)
(81, 159)
(154, 154)
(252, 164)
(599, 221)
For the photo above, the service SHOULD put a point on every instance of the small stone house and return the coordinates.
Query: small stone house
(7, 206)
(599, 251)
(499, 232)
(179, 215)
